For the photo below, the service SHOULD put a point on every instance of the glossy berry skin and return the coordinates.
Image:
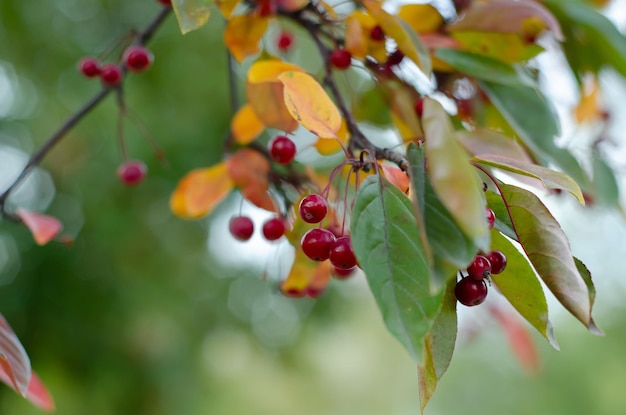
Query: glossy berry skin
(132, 172)
(282, 149)
(470, 292)
(89, 67)
(497, 260)
(341, 254)
(111, 75)
(341, 59)
(313, 208)
(491, 217)
(273, 229)
(316, 244)
(241, 227)
(479, 268)
(377, 34)
(285, 40)
(138, 58)
(342, 274)
(166, 2)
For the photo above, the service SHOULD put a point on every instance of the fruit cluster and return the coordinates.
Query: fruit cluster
(472, 290)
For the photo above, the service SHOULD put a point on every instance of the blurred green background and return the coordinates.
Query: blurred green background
(138, 318)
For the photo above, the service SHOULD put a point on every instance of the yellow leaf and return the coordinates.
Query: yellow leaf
(423, 18)
(300, 275)
(245, 125)
(327, 146)
(507, 47)
(200, 191)
(309, 104)
(192, 14)
(227, 6)
(587, 109)
(42, 227)
(269, 70)
(356, 39)
(243, 34)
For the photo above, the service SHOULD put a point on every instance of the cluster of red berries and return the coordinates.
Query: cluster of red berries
(471, 290)
(137, 59)
(241, 228)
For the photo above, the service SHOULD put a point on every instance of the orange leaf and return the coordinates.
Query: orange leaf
(227, 6)
(43, 227)
(247, 167)
(328, 146)
(396, 177)
(243, 34)
(15, 368)
(245, 125)
(309, 104)
(200, 191)
(258, 196)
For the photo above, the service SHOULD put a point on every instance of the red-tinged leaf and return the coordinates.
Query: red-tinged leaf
(454, 179)
(260, 197)
(439, 346)
(291, 5)
(518, 283)
(200, 191)
(43, 227)
(308, 103)
(548, 249)
(243, 34)
(15, 368)
(396, 177)
(245, 125)
(192, 14)
(551, 179)
(246, 167)
(39, 395)
(519, 339)
(486, 141)
(508, 16)
(357, 40)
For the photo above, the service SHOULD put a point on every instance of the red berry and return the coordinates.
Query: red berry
(266, 7)
(377, 33)
(241, 227)
(138, 58)
(342, 274)
(491, 217)
(419, 107)
(285, 40)
(341, 59)
(273, 229)
(313, 208)
(479, 268)
(89, 67)
(497, 260)
(282, 149)
(132, 172)
(341, 253)
(470, 292)
(166, 2)
(316, 244)
(395, 58)
(111, 75)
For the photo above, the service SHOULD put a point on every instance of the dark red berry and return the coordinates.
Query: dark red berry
(285, 40)
(282, 149)
(138, 58)
(316, 244)
(111, 75)
(89, 67)
(341, 59)
(132, 172)
(395, 58)
(497, 260)
(273, 229)
(491, 217)
(341, 254)
(419, 107)
(241, 227)
(470, 292)
(342, 274)
(313, 208)
(377, 33)
(166, 2)
(479, 268)
(266, 8)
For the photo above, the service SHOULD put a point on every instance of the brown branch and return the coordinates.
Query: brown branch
(142, 38)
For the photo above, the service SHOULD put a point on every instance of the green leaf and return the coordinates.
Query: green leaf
(503, 221)
(533, 119)
(483, 67)
(551, 179)
(452, 176)
(586, 275)
(605, 187)
(519, 284)
(192, 14)
(547, 248)
(439, 348)
(417, 161)
(387, 244)
(372, 107)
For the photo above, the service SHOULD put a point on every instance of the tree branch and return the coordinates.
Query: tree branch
(142, 38)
